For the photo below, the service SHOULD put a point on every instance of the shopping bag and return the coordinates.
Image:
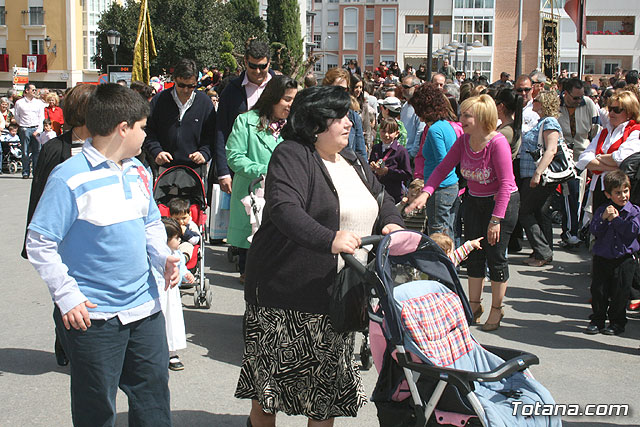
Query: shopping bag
(219, 218)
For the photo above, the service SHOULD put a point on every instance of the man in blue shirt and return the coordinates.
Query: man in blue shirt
(93, 238)
(409, 118)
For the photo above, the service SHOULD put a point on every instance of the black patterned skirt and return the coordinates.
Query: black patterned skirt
(295, 363)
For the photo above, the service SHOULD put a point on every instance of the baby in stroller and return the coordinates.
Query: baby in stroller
(10, 151)
(180, 210)
(429, 363)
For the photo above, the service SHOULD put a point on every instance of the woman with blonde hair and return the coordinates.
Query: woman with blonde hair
(492, 202)
(535, 220)
(341, 77)
(616, 141)
(53, 112)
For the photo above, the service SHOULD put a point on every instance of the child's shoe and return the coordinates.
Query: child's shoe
(175, 364)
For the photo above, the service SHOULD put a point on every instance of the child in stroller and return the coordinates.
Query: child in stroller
(182, 182)
(428, 361)
(10, 151)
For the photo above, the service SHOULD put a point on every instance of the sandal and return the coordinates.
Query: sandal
(488, 327)
(477, 313)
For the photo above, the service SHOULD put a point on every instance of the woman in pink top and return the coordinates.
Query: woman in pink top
(491, 206)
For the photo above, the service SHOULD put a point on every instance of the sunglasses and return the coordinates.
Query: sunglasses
(523, 89)
(184, 85)
(408, 86)
(616, 109)
(257, 66)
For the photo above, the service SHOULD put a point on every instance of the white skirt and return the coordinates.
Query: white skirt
(171, 304)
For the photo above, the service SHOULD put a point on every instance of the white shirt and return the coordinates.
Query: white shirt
(182, 108)
(529, 117)
(29, 113)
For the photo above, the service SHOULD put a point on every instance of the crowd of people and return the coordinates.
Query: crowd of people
(359, 153)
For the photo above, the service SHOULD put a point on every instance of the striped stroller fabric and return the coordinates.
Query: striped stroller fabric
(437, 326)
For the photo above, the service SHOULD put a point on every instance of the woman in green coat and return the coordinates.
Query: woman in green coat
(255, 135)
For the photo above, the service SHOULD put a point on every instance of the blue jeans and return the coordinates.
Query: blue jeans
(441, 210)
(108, 355)
(30, 148)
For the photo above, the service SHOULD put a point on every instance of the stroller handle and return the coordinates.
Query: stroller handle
(352, 262)
(255, 182)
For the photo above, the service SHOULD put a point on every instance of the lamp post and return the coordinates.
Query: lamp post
(113, 38)
(468, 47)
(324, 53)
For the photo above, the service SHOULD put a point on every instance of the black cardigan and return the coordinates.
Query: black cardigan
(290, 264)
(53, 152)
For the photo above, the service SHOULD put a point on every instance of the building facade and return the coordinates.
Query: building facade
(61, 34)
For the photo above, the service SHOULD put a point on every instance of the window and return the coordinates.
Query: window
(368, 61)
(350, 29)
(350, 41)
(613, 26)
(592, 26)
(474, 4)
(388, 41)
(317, 39)
(370, 14)
(389, 18)
(347, 58)
(3, 14)
(468, 29)
(368, 37)
(589, 66)
(317, 66)
(387, 58)
(36, 16)
(609, 66)
(571, 67)
(317, 1)
(478, 64)
(415, 27)
(333, 18)
(36, 47)
(3, 46)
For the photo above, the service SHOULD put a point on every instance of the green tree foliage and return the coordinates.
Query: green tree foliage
(226, 53)
(181, 28)
(284, 32)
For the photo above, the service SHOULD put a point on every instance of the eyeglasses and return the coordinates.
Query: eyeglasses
(408, 86)
(616, 109)
(184, 85)
(257, 66)
(523, 89)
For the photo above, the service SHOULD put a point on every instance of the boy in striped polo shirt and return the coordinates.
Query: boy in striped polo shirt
(93, 239)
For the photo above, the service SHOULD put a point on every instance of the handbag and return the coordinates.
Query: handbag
(561, 169)
(349, 293)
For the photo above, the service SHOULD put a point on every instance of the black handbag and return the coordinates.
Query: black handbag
(350, 291)
(561, 169)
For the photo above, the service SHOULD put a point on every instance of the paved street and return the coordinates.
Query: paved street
(546, 311)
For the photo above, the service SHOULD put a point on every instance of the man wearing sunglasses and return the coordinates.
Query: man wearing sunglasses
(580, 121)
(181, 128)
(408, 116)
(239, 96)
(524, 88)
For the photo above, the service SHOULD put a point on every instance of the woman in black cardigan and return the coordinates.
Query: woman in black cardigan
(56, 151)
(294, 361)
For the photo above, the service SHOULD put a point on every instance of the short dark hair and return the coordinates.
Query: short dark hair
(185, 69)
(178, 206)
(310, 80)
(75, 104)
(172, 227)
(46, 122)
(311, 111)
(112, 104)
(631, 77)
(391, 125)
(615, 179)
(272, 94)
(13, 126)
(145, 90)
(572, 83)
(619, 84)
(257, 49)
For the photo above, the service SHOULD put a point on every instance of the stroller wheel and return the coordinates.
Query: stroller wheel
(365, 356)
(208, 298)
(196, 296)
(13, 167)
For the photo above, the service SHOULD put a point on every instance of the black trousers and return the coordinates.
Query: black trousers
(610, 285)
(535, 219)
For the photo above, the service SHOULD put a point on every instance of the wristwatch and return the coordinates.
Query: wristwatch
(493, 221)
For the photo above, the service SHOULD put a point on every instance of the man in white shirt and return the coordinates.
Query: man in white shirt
(524, 88)
(409, 118)
(29, 113)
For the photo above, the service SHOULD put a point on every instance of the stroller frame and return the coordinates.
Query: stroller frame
(462, 380)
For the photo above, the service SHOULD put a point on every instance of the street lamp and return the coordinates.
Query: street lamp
(113, 38)
(324, 52)
(468, 47)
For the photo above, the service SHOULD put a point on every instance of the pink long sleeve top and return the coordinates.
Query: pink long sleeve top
(489, 172)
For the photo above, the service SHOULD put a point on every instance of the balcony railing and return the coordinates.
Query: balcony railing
(3, 16)
(33, 16)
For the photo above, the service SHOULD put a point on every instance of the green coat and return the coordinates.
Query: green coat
(248, 153)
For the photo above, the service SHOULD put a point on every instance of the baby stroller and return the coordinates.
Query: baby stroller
(11, 156)
(431, 370)
(184, 182)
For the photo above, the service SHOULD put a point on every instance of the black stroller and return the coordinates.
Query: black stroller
(184, 182)
(431, 369)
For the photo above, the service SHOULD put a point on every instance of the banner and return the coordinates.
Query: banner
(549, 47)
(573, 9)
(144, 50)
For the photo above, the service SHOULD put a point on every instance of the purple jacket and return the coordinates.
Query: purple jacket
(619, 237)
(399, 165)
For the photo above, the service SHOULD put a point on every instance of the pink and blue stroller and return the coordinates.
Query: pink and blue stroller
(431, 370)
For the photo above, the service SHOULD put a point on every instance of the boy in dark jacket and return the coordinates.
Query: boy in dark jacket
(616, 226)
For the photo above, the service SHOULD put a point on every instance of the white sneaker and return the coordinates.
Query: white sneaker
(572, 240)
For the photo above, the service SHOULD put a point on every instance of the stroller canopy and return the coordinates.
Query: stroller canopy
(180, 181)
